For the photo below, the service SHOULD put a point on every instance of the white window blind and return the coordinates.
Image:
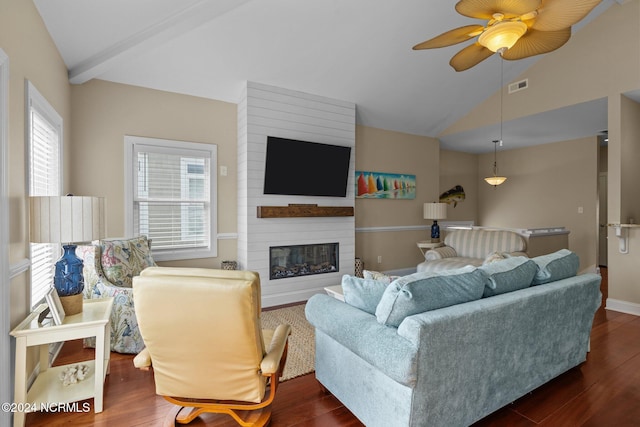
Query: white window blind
(172, 196)
(44, 142)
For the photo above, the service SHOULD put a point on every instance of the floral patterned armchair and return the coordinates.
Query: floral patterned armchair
(109, 268)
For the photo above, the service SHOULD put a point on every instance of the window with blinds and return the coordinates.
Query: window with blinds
(171, 197)
(44, 145)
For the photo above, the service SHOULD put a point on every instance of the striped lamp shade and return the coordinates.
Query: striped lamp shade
(67, 219)
(435, 210)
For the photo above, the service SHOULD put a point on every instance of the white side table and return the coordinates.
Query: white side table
(425, 245)
(335, 291)
(47, 389)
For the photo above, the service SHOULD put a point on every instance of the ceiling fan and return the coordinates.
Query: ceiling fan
(515, 29)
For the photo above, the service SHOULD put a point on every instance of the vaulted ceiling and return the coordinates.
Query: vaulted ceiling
(355, 50)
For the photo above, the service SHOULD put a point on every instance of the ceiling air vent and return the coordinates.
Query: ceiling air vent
(521, 85)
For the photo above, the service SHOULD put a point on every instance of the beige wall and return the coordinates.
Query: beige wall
(545, 187)
(104, 112)
(630, 160)
(34, 57)
(458, 168)
(624, 192)
(600, 59)
(603, 59)
(394, 152)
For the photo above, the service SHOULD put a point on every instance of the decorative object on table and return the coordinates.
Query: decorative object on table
(55, 306)
(72, 374)
(229, 265)
(381, 185)
(67, 220)
(455, 195)
(359, 271)
(514, 29)
(435, 211)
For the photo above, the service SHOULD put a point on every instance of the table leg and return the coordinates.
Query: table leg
(20, 390)
(107, 348)
(99, 371)
(44, 357)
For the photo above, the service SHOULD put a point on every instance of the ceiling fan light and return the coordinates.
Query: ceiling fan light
(495, 180)
(502, 35)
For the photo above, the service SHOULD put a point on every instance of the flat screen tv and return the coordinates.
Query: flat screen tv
(302, 168)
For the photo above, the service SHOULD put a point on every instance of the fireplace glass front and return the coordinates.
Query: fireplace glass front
(303, 260)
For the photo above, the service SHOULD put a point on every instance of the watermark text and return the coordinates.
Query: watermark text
(46, 407)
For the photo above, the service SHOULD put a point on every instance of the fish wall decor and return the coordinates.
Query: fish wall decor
(455, 195)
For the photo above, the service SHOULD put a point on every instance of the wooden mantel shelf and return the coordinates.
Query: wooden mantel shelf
(300, 211)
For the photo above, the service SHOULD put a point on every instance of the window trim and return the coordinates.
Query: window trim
(35, 100)
(130, 143)
(5, 294)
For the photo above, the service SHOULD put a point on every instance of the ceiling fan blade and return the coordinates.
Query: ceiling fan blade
(537, 42)
(451, 37)
(484, 9)
(558, 14)
(470, 56)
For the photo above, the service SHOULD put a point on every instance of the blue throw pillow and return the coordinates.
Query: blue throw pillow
(364, 294)
(556, 266)
(508, 275)
(425, 291)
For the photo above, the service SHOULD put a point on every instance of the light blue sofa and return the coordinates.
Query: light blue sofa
(452, 366)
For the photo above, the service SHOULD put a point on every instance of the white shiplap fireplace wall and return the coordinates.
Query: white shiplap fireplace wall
(271, 111)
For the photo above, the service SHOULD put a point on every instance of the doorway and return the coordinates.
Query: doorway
(602, 214)
(602, 200)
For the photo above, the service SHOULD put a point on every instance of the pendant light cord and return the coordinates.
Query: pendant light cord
(501, 95)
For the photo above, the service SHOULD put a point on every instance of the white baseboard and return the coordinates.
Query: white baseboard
(623, 306)
(290, 297)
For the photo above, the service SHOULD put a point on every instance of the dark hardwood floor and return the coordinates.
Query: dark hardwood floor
(603, 391)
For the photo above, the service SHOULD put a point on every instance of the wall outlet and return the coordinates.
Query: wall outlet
(580, 209)
(223, 171)
(379, 259)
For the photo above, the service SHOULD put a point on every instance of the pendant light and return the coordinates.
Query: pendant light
(496, 180)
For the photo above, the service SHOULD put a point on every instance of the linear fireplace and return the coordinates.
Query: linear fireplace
(303, 260)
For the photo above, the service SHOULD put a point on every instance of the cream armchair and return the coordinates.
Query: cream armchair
(204, 340)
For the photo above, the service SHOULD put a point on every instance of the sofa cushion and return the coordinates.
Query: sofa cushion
(364, 294)
(427, 291)
(380, 277)
(122, 259)
(508, 275)
(556, 266)
(441, 252)
(447, 264)
(494, 256)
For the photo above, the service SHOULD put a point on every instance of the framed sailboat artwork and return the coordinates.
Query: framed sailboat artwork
(383, 185)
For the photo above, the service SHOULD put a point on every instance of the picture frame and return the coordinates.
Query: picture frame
(383, 185)
(55, 306)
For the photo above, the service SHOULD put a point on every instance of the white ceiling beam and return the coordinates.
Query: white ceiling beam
(153, 36)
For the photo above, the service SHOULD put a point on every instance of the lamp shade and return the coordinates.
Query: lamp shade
(435, 210)
(67, 219)
(502, 35)
(495, 180)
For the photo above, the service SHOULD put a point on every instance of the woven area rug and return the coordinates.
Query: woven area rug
(302, 349)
